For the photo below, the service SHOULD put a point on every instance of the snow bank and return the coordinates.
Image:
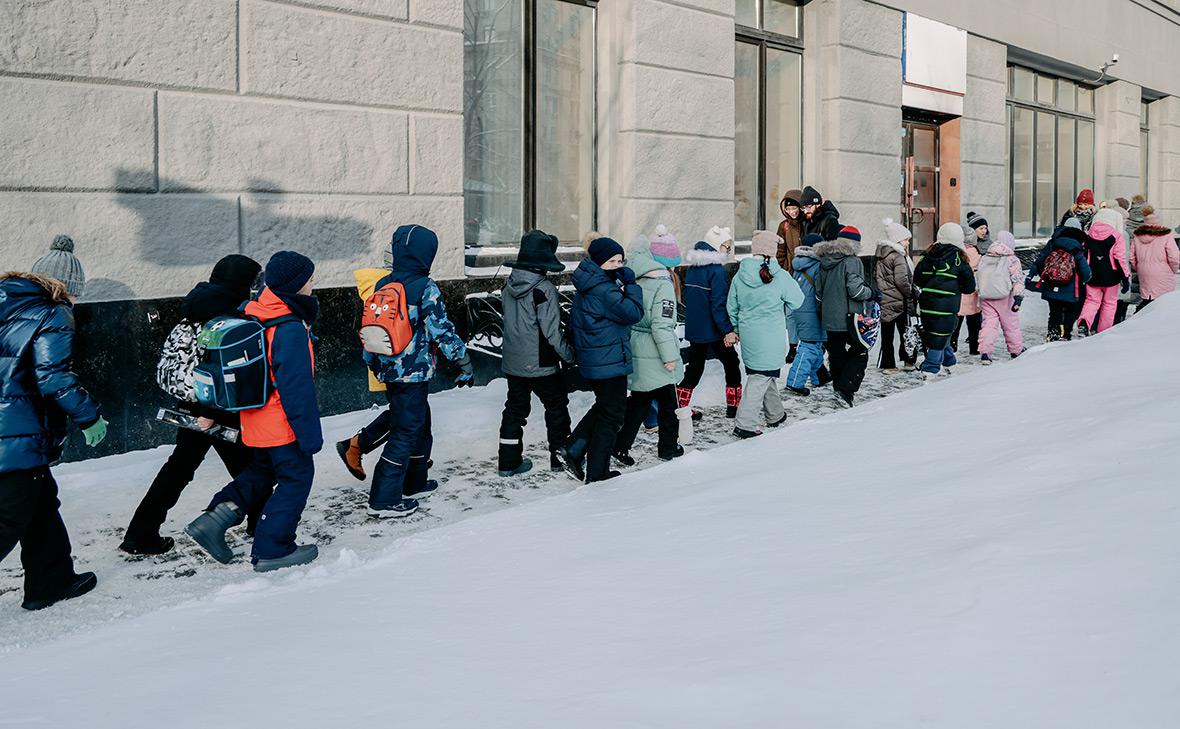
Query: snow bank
(997, 549)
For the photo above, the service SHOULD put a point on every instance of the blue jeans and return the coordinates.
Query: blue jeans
(405, 460)
(808, 359)
(652, 418)
(293, 471)
(936, 359)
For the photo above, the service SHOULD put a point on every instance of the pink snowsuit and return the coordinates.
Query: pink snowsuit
(1101, 301)
(1000, 270)
(1155, 256)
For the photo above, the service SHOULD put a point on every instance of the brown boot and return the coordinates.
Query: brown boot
(350, 453)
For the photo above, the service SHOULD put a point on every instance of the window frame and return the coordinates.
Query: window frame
(765, 40)
(1145, 145)
(1057, 113)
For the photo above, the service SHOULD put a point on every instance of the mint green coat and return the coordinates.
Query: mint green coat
(653, 339)
(759, 313)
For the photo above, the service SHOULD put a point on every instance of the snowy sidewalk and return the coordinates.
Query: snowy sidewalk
(99, 496)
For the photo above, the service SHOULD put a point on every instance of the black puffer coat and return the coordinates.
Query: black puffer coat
(943, 276)
(38, 392)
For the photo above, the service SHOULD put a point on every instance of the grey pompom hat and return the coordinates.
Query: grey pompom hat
(61, 263)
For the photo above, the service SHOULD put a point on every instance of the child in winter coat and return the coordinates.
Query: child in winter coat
(1063, 272)
(809, 361)
(656, 350)
(285, 432)
(402, 476)
(666, 251)
(1000, 283)
(608, 303)
(39, 395)
(894, 277)
(759, 297)
(533, 350)
(978, 225)
(1155, 256)
(1110, 271)
(706, 322)
(942, 277)
(842, 293)
(969, 309)
(226, 291)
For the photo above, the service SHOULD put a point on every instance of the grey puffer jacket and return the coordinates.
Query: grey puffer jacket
(895, 281)
(533, 341)
(840, 288)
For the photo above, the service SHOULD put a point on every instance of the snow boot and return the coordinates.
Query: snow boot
(673, 454)
(79, 586)
(743, 434)
(843, 399)
(424, 491)
(823, 376)
(405, 507)
(1083, 330)
(985, 359)
(526, 465)
(1014, 355)
(303, 554)
(684, 417)
(624, 458)
(733, 397)
(350, 453)
(609, 475)
(416, 485)
(511, 458)
(147, 546)
(555, 463)
(209, 529)
(778, 422)
(800, 391)
(573, 459)
(791, 353)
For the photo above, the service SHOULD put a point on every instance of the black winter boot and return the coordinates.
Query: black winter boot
(80, 585)
(209, 530)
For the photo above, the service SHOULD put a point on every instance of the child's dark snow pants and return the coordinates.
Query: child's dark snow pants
(293, 471)
(405, 459)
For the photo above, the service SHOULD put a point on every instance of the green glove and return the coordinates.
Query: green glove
(95, 433)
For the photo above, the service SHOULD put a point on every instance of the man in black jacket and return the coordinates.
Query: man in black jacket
(819, 216)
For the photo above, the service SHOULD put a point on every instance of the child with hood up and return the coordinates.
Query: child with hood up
(894, 277)
(759, 296)
(533, 350)
(706, 322)
(1062, 271)
(656, 351)
(809, 361)
(942, 277)
(842, 293)
(1110, 272)
(1000, 283)
(1155, 256)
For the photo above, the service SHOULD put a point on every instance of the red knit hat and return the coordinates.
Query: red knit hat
(849, 233)
(1086, 197)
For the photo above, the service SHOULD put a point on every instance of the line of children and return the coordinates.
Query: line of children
(1000, 286)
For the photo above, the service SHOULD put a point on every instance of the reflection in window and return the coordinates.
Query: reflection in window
(746, 134)
(1022, 171)
(1046, 156)
(784, 132)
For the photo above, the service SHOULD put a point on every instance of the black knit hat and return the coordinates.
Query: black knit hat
(288, 271)
(811, 196)
(975, 220)
(237, 273)
(604, 249)
(538, 253)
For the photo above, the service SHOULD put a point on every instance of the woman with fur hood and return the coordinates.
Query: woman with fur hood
(899, 300)
(1000, 286)
(1110, 271)
(1155, 256)
(706, 322)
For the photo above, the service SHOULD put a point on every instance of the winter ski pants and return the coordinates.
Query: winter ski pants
(29, 516)
(1062, 315)
(695, 367)
(760, 395)
(974, 324)
(638, 405)
(1098, 311)
(289, 472)
(936, 359)
(848, 358)
(595, 434)
(808, 359)
(998, 316)
(550, 389)
(888, 330)
(405, 459)
(374, 435)
(177, 472)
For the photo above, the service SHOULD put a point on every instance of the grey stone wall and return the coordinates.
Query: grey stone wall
(163, 135)
(666, 116)
(1163, 166)
(1116, 140)
(983, 149)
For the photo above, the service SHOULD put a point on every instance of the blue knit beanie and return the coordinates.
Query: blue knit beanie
(288, 271)
(604, 249)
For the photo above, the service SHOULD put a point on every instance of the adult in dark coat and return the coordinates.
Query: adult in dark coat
(819, 216)
(227, 289)
(942, 277)
(608, 303)
(39, 394)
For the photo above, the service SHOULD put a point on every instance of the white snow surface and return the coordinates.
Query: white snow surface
(995, 549)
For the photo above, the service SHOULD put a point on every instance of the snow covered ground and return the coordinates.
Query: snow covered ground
(995, 549)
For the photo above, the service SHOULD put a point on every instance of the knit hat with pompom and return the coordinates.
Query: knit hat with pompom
(664, 247)
(60, 263)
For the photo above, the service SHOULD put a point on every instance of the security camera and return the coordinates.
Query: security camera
(1114, 59)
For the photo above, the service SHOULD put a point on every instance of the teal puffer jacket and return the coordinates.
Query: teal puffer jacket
(653, 339)
(759, 313)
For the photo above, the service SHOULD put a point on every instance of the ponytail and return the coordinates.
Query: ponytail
(764, 272)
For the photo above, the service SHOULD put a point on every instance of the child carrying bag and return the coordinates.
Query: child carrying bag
(234, 372)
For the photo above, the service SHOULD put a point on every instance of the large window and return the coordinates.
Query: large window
(1144, 144)
(529, 119)
(768, 92)
(1051, 148)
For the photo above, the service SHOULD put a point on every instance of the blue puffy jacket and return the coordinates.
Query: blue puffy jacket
(1070, 240)
(705, 289)
(805, 270)
(601, 320)
(37, 389)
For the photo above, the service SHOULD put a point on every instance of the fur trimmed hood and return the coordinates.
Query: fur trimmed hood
(838, 247)
(884, 247)
(704, 254)
(56, 290)
(1152, 230)
(806, 252)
